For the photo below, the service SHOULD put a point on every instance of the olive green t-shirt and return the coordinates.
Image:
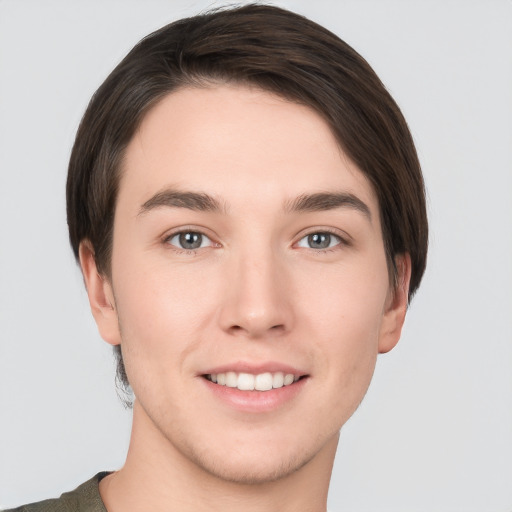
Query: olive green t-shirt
(85, 498)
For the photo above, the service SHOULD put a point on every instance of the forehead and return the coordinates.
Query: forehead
(238, 144)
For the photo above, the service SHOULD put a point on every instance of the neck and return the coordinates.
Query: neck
(158, 477)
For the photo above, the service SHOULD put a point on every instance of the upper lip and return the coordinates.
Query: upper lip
(254, 368)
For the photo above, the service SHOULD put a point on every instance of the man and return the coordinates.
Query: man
(248, 210)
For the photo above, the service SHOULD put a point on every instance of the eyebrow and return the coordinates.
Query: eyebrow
(177, 199)
(322, 201)
(199, 201)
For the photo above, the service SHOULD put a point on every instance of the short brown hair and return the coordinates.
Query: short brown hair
(278, 51)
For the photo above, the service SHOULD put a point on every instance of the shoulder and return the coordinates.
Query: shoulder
(85, 498)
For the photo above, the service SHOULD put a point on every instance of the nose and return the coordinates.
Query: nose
(258, 296)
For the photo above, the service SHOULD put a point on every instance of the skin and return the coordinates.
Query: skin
(255, 291)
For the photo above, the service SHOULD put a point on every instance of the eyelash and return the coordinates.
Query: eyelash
(342, 241)
(181, 250)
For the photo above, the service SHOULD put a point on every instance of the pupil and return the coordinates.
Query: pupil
(190, 240)
(319, 240)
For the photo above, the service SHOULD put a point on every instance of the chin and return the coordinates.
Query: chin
(259, 469)
(260, 459)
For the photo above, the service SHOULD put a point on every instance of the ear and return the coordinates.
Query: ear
(101, 296)
(396, 305)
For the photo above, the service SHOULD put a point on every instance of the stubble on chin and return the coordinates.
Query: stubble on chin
(248, 472)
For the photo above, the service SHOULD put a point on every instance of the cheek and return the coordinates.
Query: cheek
(163, 307)
(157, 319)
(349, 303)
(346, 327)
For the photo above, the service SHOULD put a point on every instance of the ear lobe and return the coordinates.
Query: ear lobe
(101, 297)
(396, 305)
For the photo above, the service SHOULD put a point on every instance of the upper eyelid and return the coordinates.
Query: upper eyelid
(177, 233)
(176, 248)
(342, 235)
(341, 241)
(187, 229)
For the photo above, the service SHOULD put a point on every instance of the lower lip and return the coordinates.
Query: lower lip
(256, 401)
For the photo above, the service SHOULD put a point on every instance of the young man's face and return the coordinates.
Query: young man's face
(248, 247)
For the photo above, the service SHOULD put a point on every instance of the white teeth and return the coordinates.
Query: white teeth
(263, 382)
(231, 380)
(248, 382)
(278, 380)
(288, 379)
(245, 382)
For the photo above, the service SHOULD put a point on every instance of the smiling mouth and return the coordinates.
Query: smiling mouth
(249, 382)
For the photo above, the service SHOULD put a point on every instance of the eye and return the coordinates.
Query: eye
(189, 240)
(319, 240)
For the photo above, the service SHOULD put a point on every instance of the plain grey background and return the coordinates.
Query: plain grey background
(435, 430)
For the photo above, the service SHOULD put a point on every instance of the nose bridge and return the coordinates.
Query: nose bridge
(256, 303)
